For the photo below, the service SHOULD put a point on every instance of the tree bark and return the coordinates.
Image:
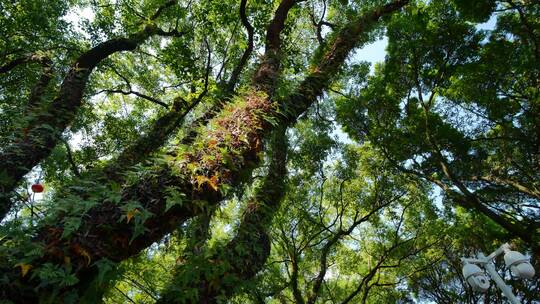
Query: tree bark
(46, 124)
(245, 255)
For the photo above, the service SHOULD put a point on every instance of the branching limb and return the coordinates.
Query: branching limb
(72, 163)
(152, 140)
(233, 80)
(43, 60)
(130, 91)
(141, 95)
(39, 88)
(44, 128)
(246, 253)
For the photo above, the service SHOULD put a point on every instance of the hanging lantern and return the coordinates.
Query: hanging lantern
(37, 188)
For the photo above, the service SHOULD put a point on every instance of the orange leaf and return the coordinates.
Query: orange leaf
(212, 143)
(213, 182)
(201, 179)
(86, 256)
(130, 214)
(82, 252)
(25, 268)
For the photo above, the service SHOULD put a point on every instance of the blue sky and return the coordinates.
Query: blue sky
(376, 51)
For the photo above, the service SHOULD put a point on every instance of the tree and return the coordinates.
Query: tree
(457, 134)
(186, 149)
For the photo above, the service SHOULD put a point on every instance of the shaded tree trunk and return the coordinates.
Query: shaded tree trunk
(219, 277)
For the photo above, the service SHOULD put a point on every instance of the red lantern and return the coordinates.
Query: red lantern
(37, 188)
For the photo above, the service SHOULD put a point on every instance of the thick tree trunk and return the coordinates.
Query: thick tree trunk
(245, 255)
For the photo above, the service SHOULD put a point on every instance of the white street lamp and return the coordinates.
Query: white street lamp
(477, 279)
(519, 265)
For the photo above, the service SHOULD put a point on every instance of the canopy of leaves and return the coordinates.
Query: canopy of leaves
(243, 152)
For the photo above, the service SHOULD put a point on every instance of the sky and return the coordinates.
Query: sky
(75, 15)
(374, 52)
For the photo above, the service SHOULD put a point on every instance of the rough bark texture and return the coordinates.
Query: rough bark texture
(245, 255)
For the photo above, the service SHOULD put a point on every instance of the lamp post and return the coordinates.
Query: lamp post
(519, 265)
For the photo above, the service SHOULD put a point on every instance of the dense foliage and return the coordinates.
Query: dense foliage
(243, 151)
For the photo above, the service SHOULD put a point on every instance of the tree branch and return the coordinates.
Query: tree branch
(72, 163)
(162, 8)
(347, 38)
(45, 126)
(247, 52)
(149, 142)
(246, 253)
(131, 92)
(333, 241)
(43, 60)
